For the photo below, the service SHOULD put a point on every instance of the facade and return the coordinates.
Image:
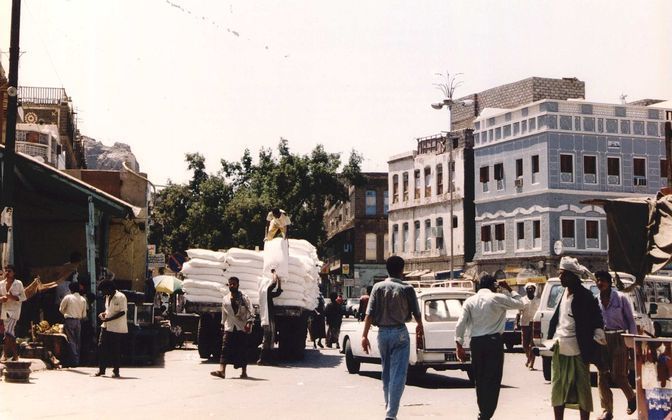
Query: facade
(41, 142)
(355, 250)
(536, 163)
(420, 226)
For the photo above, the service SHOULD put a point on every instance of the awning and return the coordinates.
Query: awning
(35, 176)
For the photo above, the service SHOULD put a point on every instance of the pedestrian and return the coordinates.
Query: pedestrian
(113, 329)
(12, 295)
(73, 308)
(278, 222)
(363, 302)
(484, 314)
(618, 320)
(391, 305)
(525, 319)
(237, 319)
(577, 328)
(333, 314)
(317, 328)
(266, 296)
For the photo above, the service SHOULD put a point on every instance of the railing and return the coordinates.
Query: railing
(34, 149)
(42, 95)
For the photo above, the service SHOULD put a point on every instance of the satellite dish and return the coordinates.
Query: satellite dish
(557, 247)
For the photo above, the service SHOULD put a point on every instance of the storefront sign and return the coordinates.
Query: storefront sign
(156, 261)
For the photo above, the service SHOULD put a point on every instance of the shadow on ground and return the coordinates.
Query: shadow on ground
(430, 380)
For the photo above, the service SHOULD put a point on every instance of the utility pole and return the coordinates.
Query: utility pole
(668, 147)
(12, 108)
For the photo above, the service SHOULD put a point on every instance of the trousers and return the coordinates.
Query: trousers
(109, 350)
(615, 361)
(394, 346)
(487, 362)
(72, 327)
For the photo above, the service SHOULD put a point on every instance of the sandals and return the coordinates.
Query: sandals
(218, 373)
(632, 406)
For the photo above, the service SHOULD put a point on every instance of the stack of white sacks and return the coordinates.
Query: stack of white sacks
(295, 261)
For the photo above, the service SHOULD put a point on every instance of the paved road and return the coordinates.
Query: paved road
(317, 388)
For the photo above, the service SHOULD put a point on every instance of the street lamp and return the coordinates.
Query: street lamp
(448, 104)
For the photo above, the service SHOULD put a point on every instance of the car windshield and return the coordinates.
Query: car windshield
(438, 310)
(557, 291)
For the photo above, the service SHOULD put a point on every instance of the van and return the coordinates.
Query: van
(550, 297)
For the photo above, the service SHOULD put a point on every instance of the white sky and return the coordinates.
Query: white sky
(347, 74)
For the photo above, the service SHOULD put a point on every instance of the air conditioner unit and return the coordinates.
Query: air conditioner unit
(640, 181)
(519, 182)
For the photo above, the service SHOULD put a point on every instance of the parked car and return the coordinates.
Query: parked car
(511, 335)
(441, 308)
(550, 297)
(351, 307)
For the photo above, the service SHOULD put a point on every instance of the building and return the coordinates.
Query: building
(420, 223)
(534, 165)
(356, 247)
(41, 142)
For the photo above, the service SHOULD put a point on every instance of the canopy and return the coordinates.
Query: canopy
(167, 284)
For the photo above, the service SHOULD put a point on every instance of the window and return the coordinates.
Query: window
(428, 182)
(371, 247)
(416, 178)
(370, 203)
(404, 238)
(416, 235)
(442, 310)
(499, 175)
(386, 246)
(536, 234)
(592, 234)
(405, 181)
(386, 202)
(663, 168)
(395, 239)
(499, 237)
(520, 235)
(395, 189)
(485, 177)
(519, 168)
(455, 224)
(639, 171)
(439, 179)
(566, 168)
(568, 233)
(486, 238)
(590, 169)
(428, 235)
(613, 171)
(535, 168)
(439, 233)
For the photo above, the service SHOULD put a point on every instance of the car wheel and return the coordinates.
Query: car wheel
(546, 363)
(350, 362)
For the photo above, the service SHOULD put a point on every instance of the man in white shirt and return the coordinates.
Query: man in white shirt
(11, 296)
(73, 309)
(526, 315)
(113, 328)
(484, 314)
(278, 221)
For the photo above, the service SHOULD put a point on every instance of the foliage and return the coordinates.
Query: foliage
(229, 208)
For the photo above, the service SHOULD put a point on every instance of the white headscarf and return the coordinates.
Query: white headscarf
(530, 284)
(572, 264)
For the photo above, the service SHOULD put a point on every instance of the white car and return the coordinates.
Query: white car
(441, 308)
(550, 297)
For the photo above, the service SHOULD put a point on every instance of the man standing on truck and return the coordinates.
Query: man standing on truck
(391, 304)
(618, 320)
(266, 295)
(531, 302)
(278, 222)
(484, 314)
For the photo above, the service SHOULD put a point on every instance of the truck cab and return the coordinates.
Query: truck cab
(440, 308)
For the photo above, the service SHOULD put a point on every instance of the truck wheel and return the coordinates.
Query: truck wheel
(204, 337)
(216, 333)
(350, 363)
(546, 363)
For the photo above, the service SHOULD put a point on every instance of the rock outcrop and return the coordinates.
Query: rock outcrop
(99, 156)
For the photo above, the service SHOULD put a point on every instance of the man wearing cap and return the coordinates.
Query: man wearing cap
(577, 329)
(525, 318)
(484, 314)
(618, 319)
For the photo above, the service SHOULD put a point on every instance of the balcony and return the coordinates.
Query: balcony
(36, 150)
(43, 95)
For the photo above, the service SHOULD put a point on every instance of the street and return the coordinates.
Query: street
(319, 387)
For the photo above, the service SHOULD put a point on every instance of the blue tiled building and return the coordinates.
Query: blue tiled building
(535, 164)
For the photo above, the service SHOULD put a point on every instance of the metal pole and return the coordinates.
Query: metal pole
(91, 258)
(12, 107)
(450, 185)
(668, 152)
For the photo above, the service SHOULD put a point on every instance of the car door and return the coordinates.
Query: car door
(440, 315)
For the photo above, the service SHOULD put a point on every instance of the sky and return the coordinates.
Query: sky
(217, 77)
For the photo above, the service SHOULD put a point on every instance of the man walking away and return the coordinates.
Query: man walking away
(113, 328)
(333, 314)
(618, 319)
(484, 314)
(391, 304)
(576, 326)
(266, 295)
(73, 308)
(526, 316)
(12, 295)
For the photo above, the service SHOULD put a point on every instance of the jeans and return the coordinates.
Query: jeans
(72, 327)
(394, 346)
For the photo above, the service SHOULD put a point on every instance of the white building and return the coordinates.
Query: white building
(40, 142)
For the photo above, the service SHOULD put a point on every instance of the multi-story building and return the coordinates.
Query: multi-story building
(41, 142)
(355, 250)
(420, 224)
(536, 163)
